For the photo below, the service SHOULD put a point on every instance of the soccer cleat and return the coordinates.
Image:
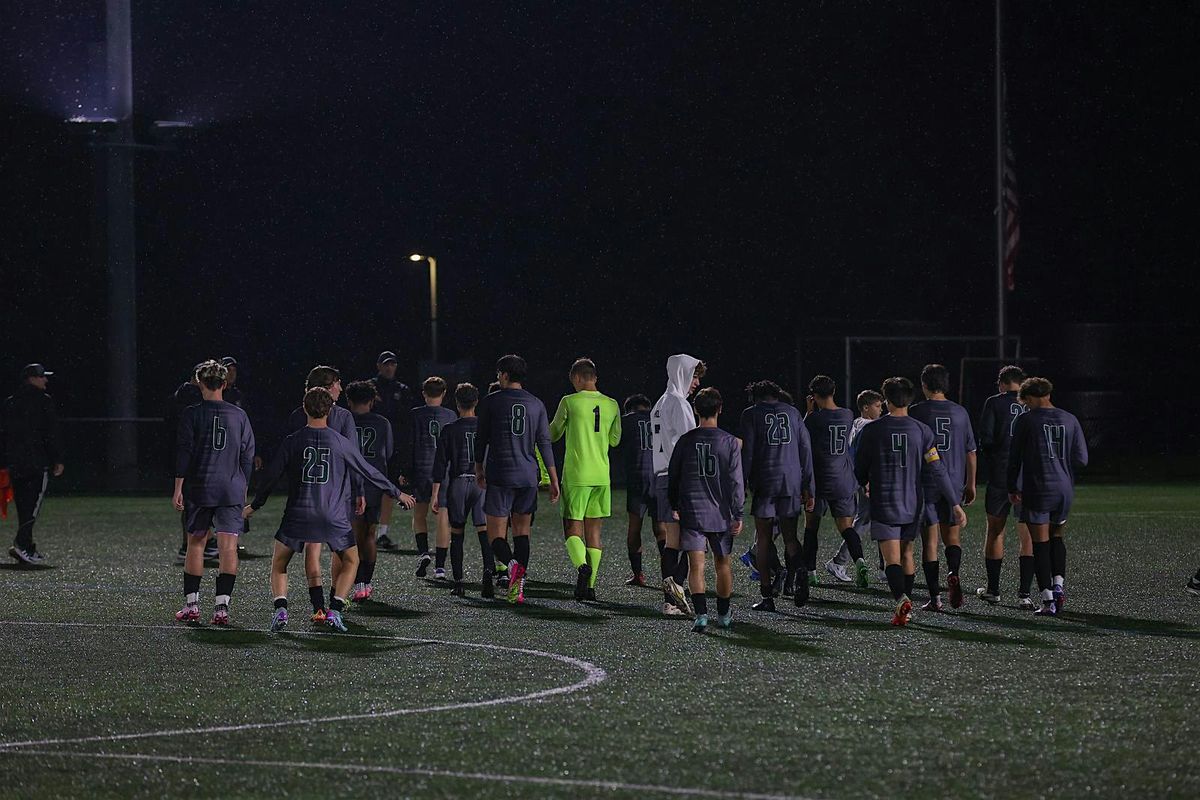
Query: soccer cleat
(423, 562)
(954, 591)
(766, 604)
(221, 616)
(862, 574)
(675, 592)
(637, 579)
(502, 579)
(838, 571)
(812, 578)
(1060, 598)
(318, 616)
(881, 576)
(934, 605)
(747, 558)
(1048, 609)
(279, 621)
(701, 624)
(458, 590)
(803, 592)
(779, 581)
(581, 582)
(672, 610)
(360, 593)
(241, 550)
(334, 620)
(370, 591)
(903, 612)
(789, 584)
(1025, 603)
(385, 543)
(439, 574)
(189, 613)
(516, 582)
(591, 595)
(487, 588)
(983, 594)
(1193, 586)
(725, 621)
(21, 554)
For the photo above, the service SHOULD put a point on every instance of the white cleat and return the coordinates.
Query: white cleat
(838, 571)
(1027, 604)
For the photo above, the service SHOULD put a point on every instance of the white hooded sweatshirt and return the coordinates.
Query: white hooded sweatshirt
(673, 415)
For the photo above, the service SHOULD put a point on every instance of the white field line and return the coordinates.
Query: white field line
(424, 773)
(592, 675)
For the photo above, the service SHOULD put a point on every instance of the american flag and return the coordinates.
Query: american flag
(1012, 217)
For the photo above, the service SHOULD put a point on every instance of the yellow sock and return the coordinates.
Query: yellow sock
(576, 551)
(593, 558)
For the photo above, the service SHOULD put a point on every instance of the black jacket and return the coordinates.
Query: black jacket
(30, 440)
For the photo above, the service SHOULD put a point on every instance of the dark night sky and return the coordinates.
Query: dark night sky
(620, 180)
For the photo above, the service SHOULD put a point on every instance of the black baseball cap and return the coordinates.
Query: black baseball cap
(229, 361)
(386, 357)
(35, 371)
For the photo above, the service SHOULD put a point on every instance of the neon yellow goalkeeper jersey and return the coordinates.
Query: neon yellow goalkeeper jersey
(592, 424)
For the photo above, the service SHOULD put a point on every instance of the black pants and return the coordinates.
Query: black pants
(28, 493)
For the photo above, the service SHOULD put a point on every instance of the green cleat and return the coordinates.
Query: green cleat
(862, 574)
(812, 577)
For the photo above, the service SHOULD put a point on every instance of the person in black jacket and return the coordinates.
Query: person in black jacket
(394, 402)
(31, 449)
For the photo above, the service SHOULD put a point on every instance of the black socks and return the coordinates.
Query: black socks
(810, 549)
(337, 604)
(422, 542)
(931, 569)
(723, 606)
(909, 580)
(895, 579)
(280, 602)
(700, 603)
(1058, 556)
(635, 561)
(316, 596)
(521, 550)
(502, 551)
(1026, 566)
(439, 557)
(191, 583)
(670, 560)
(456, 555)
(993, 574)
(953, 558)
(1041, 565)
(489, 558)
(853, 543)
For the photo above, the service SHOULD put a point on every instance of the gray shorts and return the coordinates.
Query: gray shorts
(422, 492)
(883, 532)
(695, 542)
(222, 519)
(504, 501)
(996, 503)
(639, 498)
(837, 506)
(1056, 515)
(661, 510)
(464, 499)
(339, 542)
(766, 506)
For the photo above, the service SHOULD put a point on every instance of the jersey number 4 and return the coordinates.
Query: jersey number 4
(316, 465)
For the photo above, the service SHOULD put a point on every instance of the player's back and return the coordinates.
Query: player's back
(426, 423)
(706, 477)
(216, 447)
(953, 435)
(829, 433)
(637, 448)
(592, 423)
(374, 439)
(1049, 444)
(319, 483)
(457, 447)
(776, 451)
(512, 425)
(889, 458)
(339, 420)
(1000, 412)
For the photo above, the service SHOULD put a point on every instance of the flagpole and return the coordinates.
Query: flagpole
(1001, 281)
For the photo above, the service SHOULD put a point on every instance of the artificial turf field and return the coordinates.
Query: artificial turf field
(106, 696)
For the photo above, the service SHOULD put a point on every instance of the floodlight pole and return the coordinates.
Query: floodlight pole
(121, 249)
(1001, 278)
(433, 304)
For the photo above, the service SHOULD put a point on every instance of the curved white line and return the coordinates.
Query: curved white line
(592, 676)
(425, 773)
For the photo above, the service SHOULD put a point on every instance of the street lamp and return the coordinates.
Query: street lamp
(433, 308)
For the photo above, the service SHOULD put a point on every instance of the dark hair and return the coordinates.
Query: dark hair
(935, 378)
(786, 397)
(494, 387)
(700, 370)
(822, 386)
(1010, 374)
(434, 386)
(317, 402)
(513, 366)
(466, 395)
(866, 397)
(322, 376)
(584, 369)
(763, 390)
(1036, 387)
(708, 402)
(212, 375)
(361, 392)
(637, 402)
(898, 391)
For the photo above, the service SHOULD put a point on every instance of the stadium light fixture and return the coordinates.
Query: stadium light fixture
(433, 304)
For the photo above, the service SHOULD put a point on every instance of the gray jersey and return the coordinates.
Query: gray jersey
(776, 452)
(954, 438)
(705, 480)
(894, 454)
(214, 453)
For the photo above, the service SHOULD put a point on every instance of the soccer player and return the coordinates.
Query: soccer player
(955, 438)
(1000, 412)
(829, 430)
(870, 408)
(31, 449)
(1047, 448)
(639, 479)
(895, 455)
(186, 395)
(395, 398)
(426, 427)
(454, 465)
(376, 445)
(671, 417)
(512, 425)
(340, 421)
(318, 464)
(214, 456)
(777, 460)
(591, 421)
(704, 485)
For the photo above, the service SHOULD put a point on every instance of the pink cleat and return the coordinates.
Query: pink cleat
(360, 593)
(516, 582)
(189, 613)
(221, 616)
